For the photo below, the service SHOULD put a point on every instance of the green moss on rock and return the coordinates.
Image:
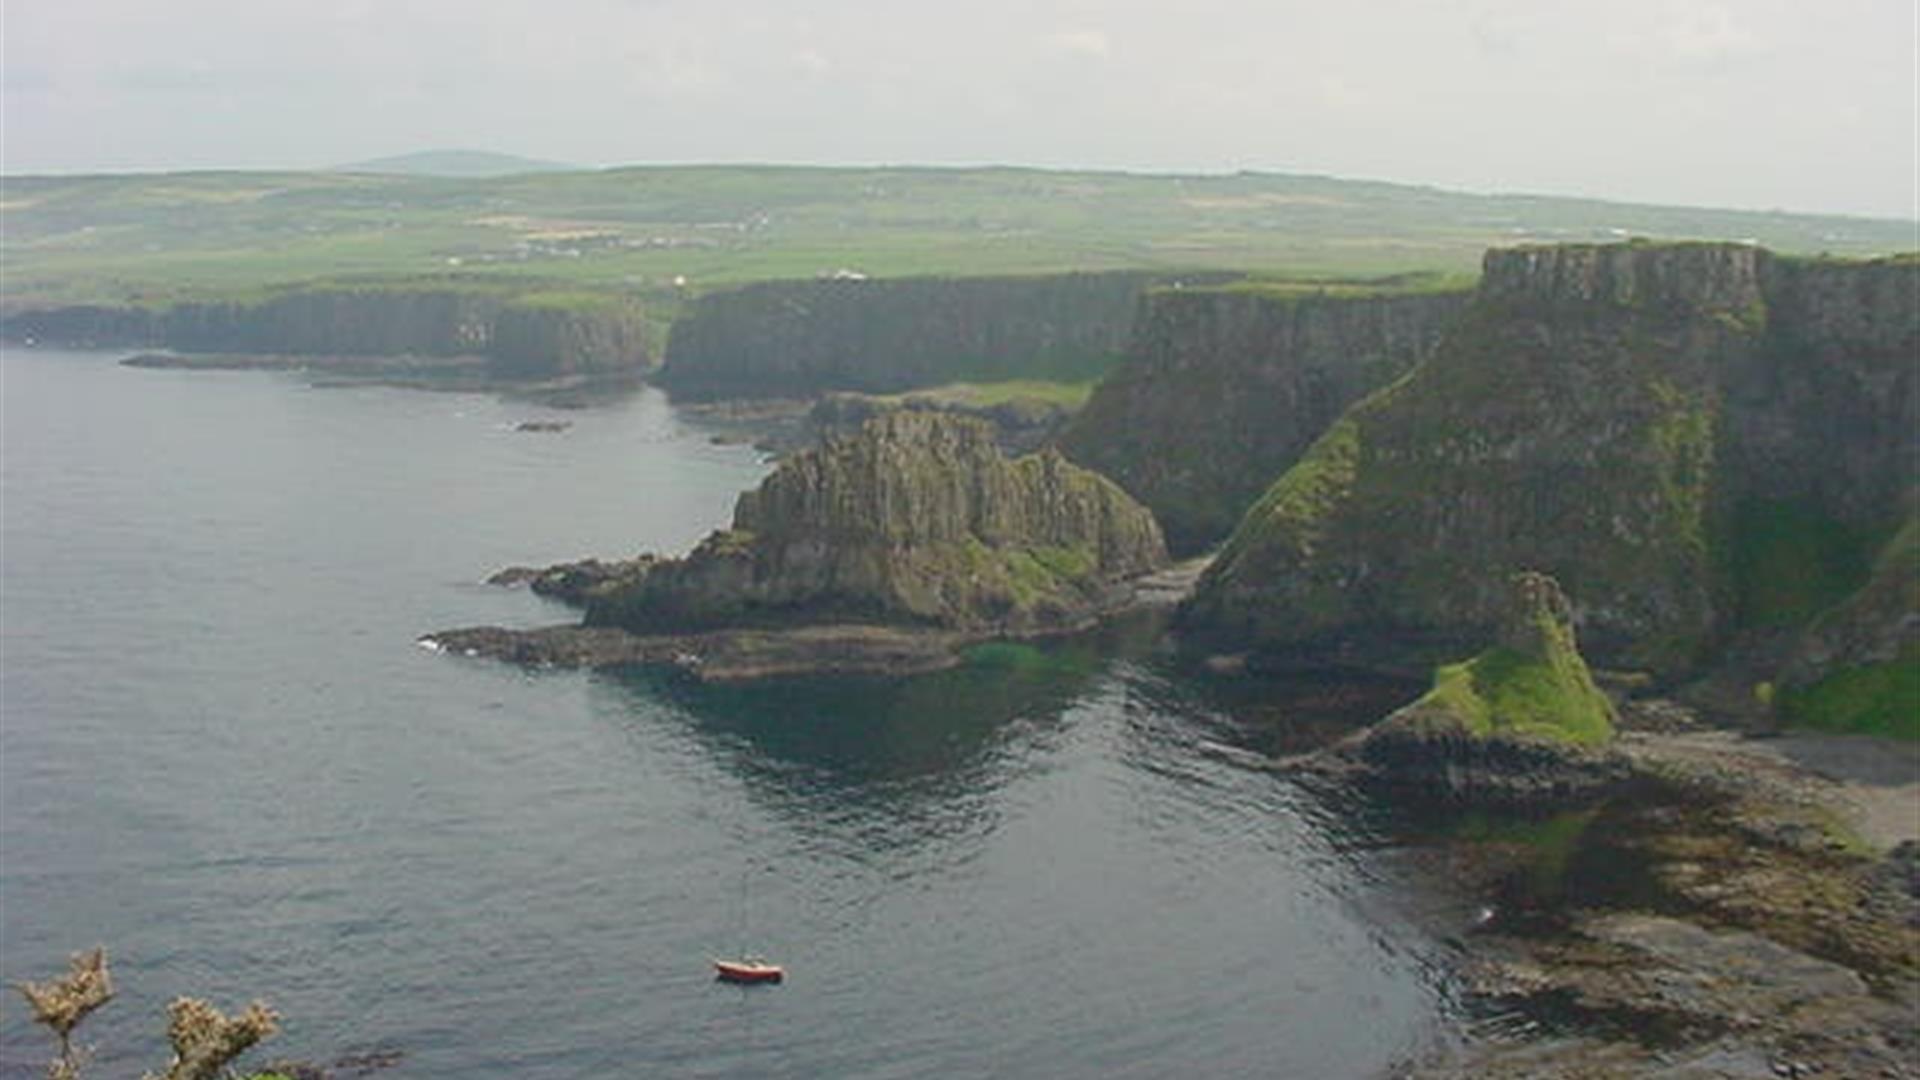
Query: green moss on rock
(1870, 699)
(1534, 684)
(1785, 561)
(1856, 668)
(1522, 722)
(1502, 692)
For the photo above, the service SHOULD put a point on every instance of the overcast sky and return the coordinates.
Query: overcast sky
(1795, 104)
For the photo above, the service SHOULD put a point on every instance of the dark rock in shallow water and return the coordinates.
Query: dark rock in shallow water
(716, 656)
(543, 425)
(1501, 770)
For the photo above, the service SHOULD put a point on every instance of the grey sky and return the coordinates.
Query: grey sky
(1797, 104)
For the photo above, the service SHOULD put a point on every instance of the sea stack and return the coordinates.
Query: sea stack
(916, 518)
(1520, 723)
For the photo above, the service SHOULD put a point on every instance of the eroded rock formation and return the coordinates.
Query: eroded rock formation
(917, 518)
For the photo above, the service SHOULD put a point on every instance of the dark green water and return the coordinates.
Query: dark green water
(222, 756)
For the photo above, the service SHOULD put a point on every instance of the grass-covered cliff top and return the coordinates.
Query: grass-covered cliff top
(1289, 288)
(983, 395)
(168, 236)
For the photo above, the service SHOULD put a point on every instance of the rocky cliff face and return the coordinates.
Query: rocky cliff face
(917, 518)
(1601, 413)
(542, 339)
(1223, 388)
(335, 321)
(1823, 413)
(522, 338)
(799, 338)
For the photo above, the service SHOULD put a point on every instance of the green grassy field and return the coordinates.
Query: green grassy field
(160, 237)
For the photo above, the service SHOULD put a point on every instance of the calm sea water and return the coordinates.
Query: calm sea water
(222, 756)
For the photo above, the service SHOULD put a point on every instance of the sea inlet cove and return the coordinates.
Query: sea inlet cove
(812, 622)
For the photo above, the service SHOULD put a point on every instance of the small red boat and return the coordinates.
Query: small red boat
(748, 969)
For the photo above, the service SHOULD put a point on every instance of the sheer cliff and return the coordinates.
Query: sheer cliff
(533, 335)
(799, 338)
(1223, 388)
(1628, 418)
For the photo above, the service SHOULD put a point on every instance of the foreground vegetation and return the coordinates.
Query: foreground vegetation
(204, 1040)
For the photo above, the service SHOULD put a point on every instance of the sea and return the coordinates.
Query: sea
(224, 757)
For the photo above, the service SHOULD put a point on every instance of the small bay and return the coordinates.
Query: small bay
(222, 756)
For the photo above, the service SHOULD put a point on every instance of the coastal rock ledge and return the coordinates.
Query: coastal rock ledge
(887, 549)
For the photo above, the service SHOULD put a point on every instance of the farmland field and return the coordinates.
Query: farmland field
(156, 238)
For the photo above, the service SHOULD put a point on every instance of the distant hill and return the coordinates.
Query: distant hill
(456, 164)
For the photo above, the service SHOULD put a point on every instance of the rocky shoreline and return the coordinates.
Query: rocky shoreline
(1729, 912)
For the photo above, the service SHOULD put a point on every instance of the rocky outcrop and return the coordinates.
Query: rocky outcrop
(886, 550)
(1598, 412)
(1521, 723)
(1223, 388)
(916, 519)
(578, 583)
(801, 338)
(534, 336)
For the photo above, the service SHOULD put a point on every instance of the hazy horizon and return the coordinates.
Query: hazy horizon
(1742, 104)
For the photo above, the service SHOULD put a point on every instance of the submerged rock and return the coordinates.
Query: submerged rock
(719, 656)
